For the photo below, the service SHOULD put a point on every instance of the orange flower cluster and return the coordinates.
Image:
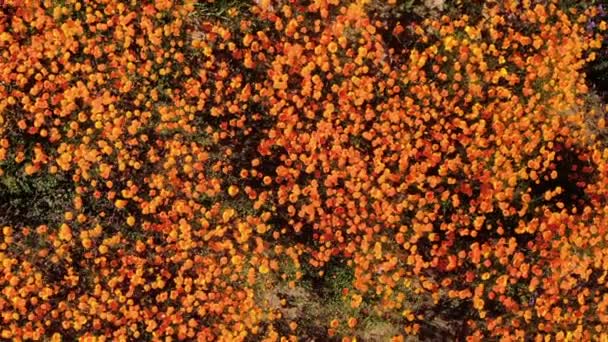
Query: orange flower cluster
(214, 158)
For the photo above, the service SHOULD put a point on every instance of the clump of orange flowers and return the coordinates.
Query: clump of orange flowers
(215, 155)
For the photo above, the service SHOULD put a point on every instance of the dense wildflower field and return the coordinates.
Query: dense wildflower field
(303, 170)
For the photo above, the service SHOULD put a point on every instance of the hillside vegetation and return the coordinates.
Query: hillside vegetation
(303, 170)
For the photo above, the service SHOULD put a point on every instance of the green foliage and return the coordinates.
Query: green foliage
(33, 200)
(219, 9)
